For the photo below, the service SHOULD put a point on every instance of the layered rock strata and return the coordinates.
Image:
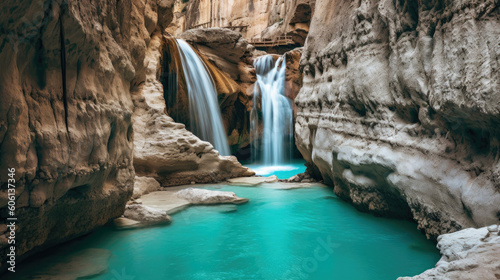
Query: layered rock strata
(66, 112)
(400, 109)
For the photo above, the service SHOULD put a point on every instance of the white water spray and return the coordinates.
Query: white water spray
(277, 114)
(204, 111)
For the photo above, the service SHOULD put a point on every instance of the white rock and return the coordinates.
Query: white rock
(253, 181)
(202, 196)
(469, 254)
(145, 214)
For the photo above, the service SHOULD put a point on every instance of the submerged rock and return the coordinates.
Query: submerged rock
(202, 196)
(469, 254)
(82, 264)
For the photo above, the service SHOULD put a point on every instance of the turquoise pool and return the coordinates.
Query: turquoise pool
(305, 233)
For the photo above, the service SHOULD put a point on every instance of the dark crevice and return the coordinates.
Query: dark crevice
(63, 69)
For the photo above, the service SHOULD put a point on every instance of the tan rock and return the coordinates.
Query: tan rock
(144, 185)
(164, 149)
(65, 115)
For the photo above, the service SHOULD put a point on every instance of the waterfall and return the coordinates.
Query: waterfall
(204, 111)
(277, 114)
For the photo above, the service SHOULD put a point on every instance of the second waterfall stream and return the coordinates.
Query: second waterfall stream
(204, 111)
(277, 113)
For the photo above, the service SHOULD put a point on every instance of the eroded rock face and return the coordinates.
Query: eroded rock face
(256, 18)
(164, 149)
(400, 109)
(466, 255)
(65, 112)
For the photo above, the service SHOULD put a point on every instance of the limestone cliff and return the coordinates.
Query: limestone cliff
(400, 108)
(255, 18)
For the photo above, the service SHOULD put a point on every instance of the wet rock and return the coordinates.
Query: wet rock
(142, 213)
(82, 264)
(202, 196)
(466, 255)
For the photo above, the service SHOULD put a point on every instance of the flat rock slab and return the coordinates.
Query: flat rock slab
(253, 181)
(165, 200)
(291, 186)
(209, 197)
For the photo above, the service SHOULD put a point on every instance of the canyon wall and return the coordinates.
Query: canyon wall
(65, 115)
(400, 108)
(255, 18)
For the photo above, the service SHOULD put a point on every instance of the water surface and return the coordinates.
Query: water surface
(303, 233)
(284, 171)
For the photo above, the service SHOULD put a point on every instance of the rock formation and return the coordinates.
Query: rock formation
(164, 149)
(80, 92)
(227, 56)
(468, 254)
(256, 18)
(65, 115)
(400, 109)
(208, 197)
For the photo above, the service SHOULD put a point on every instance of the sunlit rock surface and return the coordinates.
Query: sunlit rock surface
(145, 214)
(400, 109)
(202, 196)
(468, 254)
(65, 112)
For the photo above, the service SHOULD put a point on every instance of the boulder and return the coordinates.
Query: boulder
(145, 214)
(144, 185)
(204, 197)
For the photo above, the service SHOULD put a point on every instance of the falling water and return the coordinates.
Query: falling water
(277, 114)
(204, 111)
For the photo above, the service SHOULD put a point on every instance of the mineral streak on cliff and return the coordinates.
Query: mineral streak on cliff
(400, 109)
